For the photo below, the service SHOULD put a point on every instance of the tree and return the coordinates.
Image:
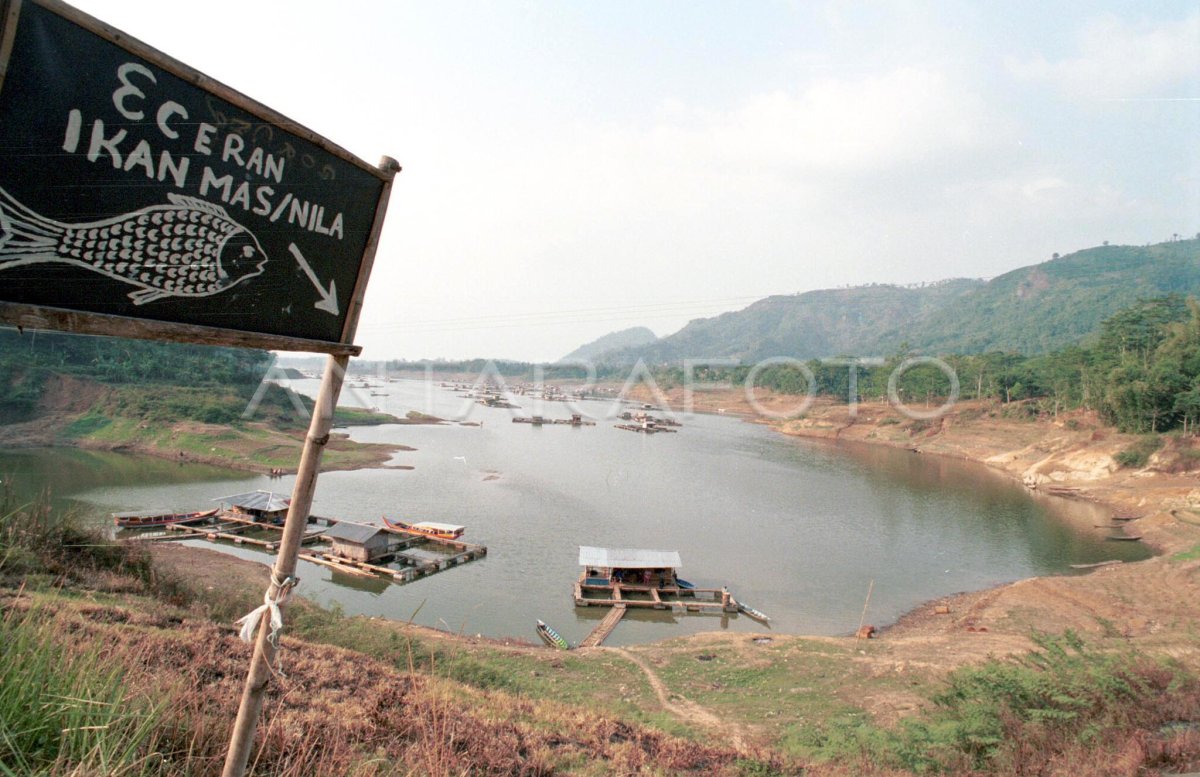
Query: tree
(1138, 330)
(1187, 406)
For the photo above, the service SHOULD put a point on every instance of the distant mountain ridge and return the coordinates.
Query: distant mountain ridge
(626, 338)
(1031, 310)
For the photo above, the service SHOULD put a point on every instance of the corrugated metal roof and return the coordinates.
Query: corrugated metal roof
(628, 558)
(266, 501)
(352, 532)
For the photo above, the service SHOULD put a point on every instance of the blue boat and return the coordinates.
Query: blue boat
(551, 637)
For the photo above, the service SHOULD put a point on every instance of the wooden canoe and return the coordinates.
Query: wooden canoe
(551, 637)
(757, 615)
(138, 521)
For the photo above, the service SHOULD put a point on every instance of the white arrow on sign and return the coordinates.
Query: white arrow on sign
(328, 301)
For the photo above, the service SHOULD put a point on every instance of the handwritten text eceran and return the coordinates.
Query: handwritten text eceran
(259, 189)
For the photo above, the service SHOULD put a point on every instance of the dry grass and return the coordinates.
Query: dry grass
(338, 712)
(335, 712)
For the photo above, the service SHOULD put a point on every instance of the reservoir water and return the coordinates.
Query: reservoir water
(795, 528)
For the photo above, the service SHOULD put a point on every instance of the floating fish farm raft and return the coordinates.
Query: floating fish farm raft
(353, 548)
(624, 578)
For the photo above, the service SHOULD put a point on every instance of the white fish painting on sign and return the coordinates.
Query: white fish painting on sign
(186, 248)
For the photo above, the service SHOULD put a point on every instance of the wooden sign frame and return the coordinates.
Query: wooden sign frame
(157, 249)
(129, 323)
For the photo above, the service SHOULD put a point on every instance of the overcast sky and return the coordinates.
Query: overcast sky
(575, 168)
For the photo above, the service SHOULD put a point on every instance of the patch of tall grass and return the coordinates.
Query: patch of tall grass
(37, 540)
(1063, 703)
(62, 712)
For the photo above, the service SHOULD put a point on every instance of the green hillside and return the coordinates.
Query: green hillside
(184, 402)
(1031, 310)
(809, 325)
(1046, 306)
(28, 360)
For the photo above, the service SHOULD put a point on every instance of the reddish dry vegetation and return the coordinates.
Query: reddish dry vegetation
(334, 712)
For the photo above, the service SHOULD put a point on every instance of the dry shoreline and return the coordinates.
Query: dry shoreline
(1151, 603)
(1071, 457)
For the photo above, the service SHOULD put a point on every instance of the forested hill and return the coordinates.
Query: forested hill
(26, 360)
(1031, 310)
(1047, 306)
(813, 324)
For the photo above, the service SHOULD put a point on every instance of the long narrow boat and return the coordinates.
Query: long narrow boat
(163, 518)
(757, 615)
(443, 531)
(552, 637)
(1097, 564)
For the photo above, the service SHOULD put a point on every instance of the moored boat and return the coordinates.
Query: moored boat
(757, 615)
(443, 531)
(137, 520)
(551, 637)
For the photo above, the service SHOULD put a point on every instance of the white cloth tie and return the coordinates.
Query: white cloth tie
(249, 621)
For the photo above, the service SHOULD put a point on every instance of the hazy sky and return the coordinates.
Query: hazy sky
(575, 168)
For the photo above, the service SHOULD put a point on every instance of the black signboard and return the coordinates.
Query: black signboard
(132, 186)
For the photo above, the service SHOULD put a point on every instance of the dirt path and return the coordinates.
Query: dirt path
(682, 708)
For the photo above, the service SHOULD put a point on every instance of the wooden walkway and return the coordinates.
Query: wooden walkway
(230, 529)
(606, 626)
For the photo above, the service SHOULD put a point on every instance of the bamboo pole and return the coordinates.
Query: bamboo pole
(866, 604)
(250, 708)
(259, 676)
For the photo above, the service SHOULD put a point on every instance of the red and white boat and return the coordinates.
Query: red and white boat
(442, 531)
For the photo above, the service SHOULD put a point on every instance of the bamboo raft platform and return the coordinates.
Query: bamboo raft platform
(418, 568)
(643, 418)
(604, 628)
(538, 420)
(230, 529)
(231, 526)
(644, 428)
(676, 598)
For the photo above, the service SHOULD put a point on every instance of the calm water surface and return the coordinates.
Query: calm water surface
(795, 528)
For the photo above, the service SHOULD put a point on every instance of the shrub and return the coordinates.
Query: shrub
(1018, 716)
(1138, 454)
(38, 539)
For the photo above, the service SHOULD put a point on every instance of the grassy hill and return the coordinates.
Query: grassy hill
(1031, 310)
